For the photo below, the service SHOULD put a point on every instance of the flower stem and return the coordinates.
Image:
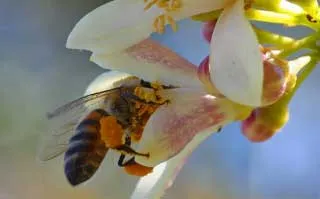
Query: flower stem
(308, 42)
(266, 37)
(280, 18)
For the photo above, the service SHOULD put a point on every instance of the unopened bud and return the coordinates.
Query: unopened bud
(264, 122)
(204, 77)
(207, 30)
(275, 82)
(277, 78)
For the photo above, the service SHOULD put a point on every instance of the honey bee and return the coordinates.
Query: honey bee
(86, 128)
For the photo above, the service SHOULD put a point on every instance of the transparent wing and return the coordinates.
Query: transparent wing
(63, 121)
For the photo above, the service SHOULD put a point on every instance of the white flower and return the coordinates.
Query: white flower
(236, 67)
(195, 116)
(115, 30)
(117, 34)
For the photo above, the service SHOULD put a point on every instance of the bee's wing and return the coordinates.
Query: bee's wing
(63, 121)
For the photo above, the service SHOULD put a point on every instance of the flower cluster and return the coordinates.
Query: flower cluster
(249, 74)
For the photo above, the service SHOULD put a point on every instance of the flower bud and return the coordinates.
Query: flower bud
(264, 122)
(275, 83)
(276, 76)
(207, 30)
(204, 77)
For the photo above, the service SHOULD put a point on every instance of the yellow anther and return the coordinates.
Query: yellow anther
(149, 4)
(159, 24)
(173, 5)
(172, 23)
(167, 6)
(162, 4)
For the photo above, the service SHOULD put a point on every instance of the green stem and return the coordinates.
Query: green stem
(266, 37)
(264, 16)
(308, 42)
(280, 18)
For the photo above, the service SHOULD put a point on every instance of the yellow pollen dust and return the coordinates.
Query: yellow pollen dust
(143, 113)
(111, 132)
(156, 85)
(248, 4)
(167, 6)
(138, 169)
(150, 95)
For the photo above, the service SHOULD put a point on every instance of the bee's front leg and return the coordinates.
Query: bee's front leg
(121, 162)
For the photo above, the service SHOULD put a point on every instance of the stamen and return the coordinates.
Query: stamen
(159, 24)
(167, 6)
(150, 4)
(172, 23)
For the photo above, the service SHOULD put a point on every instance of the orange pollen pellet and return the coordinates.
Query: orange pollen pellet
(111, 131)
(138, 169)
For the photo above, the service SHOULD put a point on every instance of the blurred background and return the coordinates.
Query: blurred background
(37, 74)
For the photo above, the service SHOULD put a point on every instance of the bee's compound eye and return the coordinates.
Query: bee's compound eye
(138, 169)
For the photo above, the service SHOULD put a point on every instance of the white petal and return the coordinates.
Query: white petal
(235, 60)
(120, 24)
(173, 126)
(155, 184)
(152, 62)
(112, 27)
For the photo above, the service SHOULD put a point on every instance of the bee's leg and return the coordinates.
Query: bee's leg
(121, 159)
(121, 162)
(127, 150)
(123, 149)
(123, 156)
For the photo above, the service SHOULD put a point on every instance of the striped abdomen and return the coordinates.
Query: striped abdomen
(86, 150)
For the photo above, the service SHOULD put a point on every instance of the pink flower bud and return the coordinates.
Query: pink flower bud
(276, 76)
(264, 122)
(207, 30)
(204, 77)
